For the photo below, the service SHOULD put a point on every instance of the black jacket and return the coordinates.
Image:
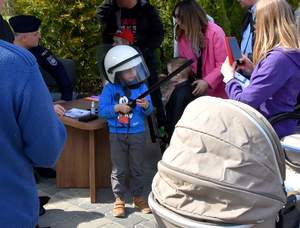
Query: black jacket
(55, 68)
(5, 31)
(149, 31)
(179, 99)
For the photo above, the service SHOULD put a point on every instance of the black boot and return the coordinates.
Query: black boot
(46, 172)
(43, 200)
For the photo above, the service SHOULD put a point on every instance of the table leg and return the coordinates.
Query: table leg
(93, 193)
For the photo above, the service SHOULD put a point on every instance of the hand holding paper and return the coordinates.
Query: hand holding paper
(228, 70)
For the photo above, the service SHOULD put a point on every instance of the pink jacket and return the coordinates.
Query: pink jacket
(213, 56)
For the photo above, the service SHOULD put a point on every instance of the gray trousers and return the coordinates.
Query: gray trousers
(127, 155)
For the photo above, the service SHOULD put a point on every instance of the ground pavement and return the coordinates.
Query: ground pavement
(71, 207)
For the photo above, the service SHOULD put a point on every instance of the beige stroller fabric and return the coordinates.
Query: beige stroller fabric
(224, 164)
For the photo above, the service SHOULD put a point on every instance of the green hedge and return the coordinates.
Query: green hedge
(70, 29)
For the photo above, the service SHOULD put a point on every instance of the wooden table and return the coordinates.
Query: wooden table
(85, 161)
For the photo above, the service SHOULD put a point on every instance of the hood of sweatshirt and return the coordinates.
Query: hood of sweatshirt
(292, 54)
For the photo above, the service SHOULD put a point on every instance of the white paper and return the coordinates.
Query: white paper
(76, 112)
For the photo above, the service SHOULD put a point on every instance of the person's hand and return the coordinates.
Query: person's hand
(142, 103)
(228, 70)
(201, 87)
(59, 110)
(122, 108)
(246, 65)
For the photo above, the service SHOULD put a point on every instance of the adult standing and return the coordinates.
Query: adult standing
(248, 35)
(143, 20)
(275, 74)
(202, 41)
(30, 135)
(5, 31)
(6, 34)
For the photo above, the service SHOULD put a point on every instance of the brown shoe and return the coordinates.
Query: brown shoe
(119, 208)
(142, 204)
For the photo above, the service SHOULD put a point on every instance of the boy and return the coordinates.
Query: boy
(126, 72)
(181, 93)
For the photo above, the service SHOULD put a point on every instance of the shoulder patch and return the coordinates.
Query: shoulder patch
(51, 60)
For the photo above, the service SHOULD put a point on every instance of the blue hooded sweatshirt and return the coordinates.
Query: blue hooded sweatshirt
(113, 94)
(30, 135)
(274, 87)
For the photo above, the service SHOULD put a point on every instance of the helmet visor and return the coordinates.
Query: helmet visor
(132, 76)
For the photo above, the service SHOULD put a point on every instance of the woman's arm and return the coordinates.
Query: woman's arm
(214, 77)
(269, 76)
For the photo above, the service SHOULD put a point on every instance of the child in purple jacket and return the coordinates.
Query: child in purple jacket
(275, 79)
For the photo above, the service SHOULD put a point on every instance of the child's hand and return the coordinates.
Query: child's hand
(143, 103)
(122, 108)
(200, 87)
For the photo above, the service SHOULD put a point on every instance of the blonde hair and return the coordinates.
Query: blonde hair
(275, 26)
(297, 14)
(175, 63)
(193, 21)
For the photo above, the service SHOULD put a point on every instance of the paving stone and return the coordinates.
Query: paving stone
(88, 205)
(129, 221)
(71, 207)
(103, 208)
(146, 224)
(50, 191)
(65, 224)
(77, 221)
(113, 225)
(95, 223)
(145, 216)
(73, 199)
(51, 218)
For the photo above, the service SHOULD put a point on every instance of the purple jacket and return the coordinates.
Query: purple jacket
(273, 88)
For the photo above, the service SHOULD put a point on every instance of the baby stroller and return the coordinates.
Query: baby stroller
(225, 167)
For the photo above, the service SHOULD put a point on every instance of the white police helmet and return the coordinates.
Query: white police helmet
(125, 65)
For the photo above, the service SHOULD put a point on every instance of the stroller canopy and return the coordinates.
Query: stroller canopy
(224, 164)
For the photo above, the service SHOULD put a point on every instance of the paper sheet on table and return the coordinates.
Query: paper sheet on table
(76, 112)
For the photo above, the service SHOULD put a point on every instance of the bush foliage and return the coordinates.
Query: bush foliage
(70, 29)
